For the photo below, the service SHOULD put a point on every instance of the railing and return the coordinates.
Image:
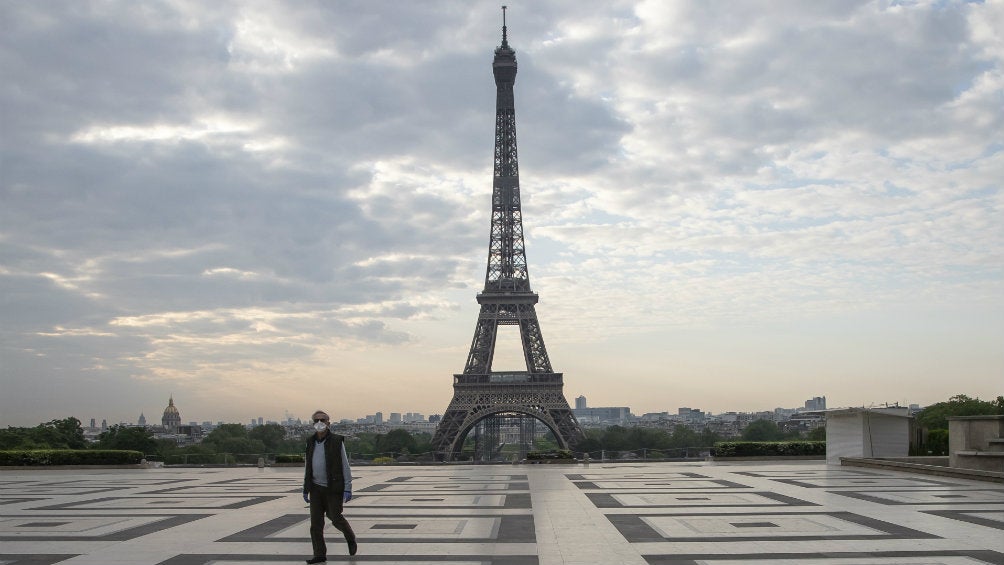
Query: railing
(513, 378)
(646, 454)
(430, 457)
(225, 459)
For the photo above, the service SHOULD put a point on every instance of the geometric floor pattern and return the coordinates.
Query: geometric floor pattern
(713, 513)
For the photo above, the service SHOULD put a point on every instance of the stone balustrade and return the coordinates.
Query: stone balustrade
(976, 442)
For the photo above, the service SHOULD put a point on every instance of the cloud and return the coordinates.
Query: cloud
(200, 196)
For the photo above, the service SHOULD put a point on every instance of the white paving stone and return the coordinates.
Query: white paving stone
(748, 513)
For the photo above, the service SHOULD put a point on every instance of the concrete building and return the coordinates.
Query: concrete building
(976, 442)
(867, 432)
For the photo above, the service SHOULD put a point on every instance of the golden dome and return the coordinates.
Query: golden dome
(171, 409)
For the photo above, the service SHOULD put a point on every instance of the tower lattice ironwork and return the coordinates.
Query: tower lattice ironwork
(480, 395)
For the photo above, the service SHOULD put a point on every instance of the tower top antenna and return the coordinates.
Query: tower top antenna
(505, 42)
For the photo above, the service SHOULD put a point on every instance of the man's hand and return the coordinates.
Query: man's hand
(306, 497)
(347, 496)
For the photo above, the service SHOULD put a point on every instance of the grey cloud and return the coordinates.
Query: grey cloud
(561, 132)
(33, 303)
(90, 64)
(350, 173)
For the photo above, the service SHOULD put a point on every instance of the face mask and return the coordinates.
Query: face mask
(320, 426)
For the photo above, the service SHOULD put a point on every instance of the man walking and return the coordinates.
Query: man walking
(326, 485)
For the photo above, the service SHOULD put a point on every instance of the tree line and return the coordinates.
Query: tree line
(675, 441)
(233, 439)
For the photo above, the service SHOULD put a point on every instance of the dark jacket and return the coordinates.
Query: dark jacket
(332, 458)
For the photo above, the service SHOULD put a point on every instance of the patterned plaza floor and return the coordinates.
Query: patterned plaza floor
(748, 513)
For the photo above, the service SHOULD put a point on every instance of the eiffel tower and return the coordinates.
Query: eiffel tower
(485, 401)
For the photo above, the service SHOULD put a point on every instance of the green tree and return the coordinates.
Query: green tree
(546, 443)
(590, 445)
(69, 431)
(295, 445)
(240, 445)
(271, 436)
(708, 438)
(762, 430)
(193, 454)
(126, 437)
(684, 437)
(935, 416)
(361, 446)
(165, 448)
(423, 443)
(817, 434)
(937, 443)
(615, 439)
(55, 434)
(647, 438)
(226, 431)
(233, 438)
(397, 441)
(14, 438)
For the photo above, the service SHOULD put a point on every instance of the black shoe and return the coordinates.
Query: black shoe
(353, 546)
(321, 559)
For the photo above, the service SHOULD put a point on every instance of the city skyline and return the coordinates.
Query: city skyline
(387, 417)
(285, 205)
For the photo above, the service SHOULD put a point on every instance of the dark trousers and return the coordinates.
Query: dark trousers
(326, 502)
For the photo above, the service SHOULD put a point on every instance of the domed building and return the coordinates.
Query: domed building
(172, 418)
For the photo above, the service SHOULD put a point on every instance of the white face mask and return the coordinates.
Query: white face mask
(320, 426)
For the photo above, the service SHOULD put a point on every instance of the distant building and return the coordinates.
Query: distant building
(189, 434)
(420, 426)
(739, 419)
(816, 403)
(395, 418)
(690, 415)
(172, 418)
(92, 432)
(782, 414)
(142, 420)
(603, 415)
(580, 402)
(802, 422)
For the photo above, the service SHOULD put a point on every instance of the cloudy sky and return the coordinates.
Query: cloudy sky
(264, 208)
